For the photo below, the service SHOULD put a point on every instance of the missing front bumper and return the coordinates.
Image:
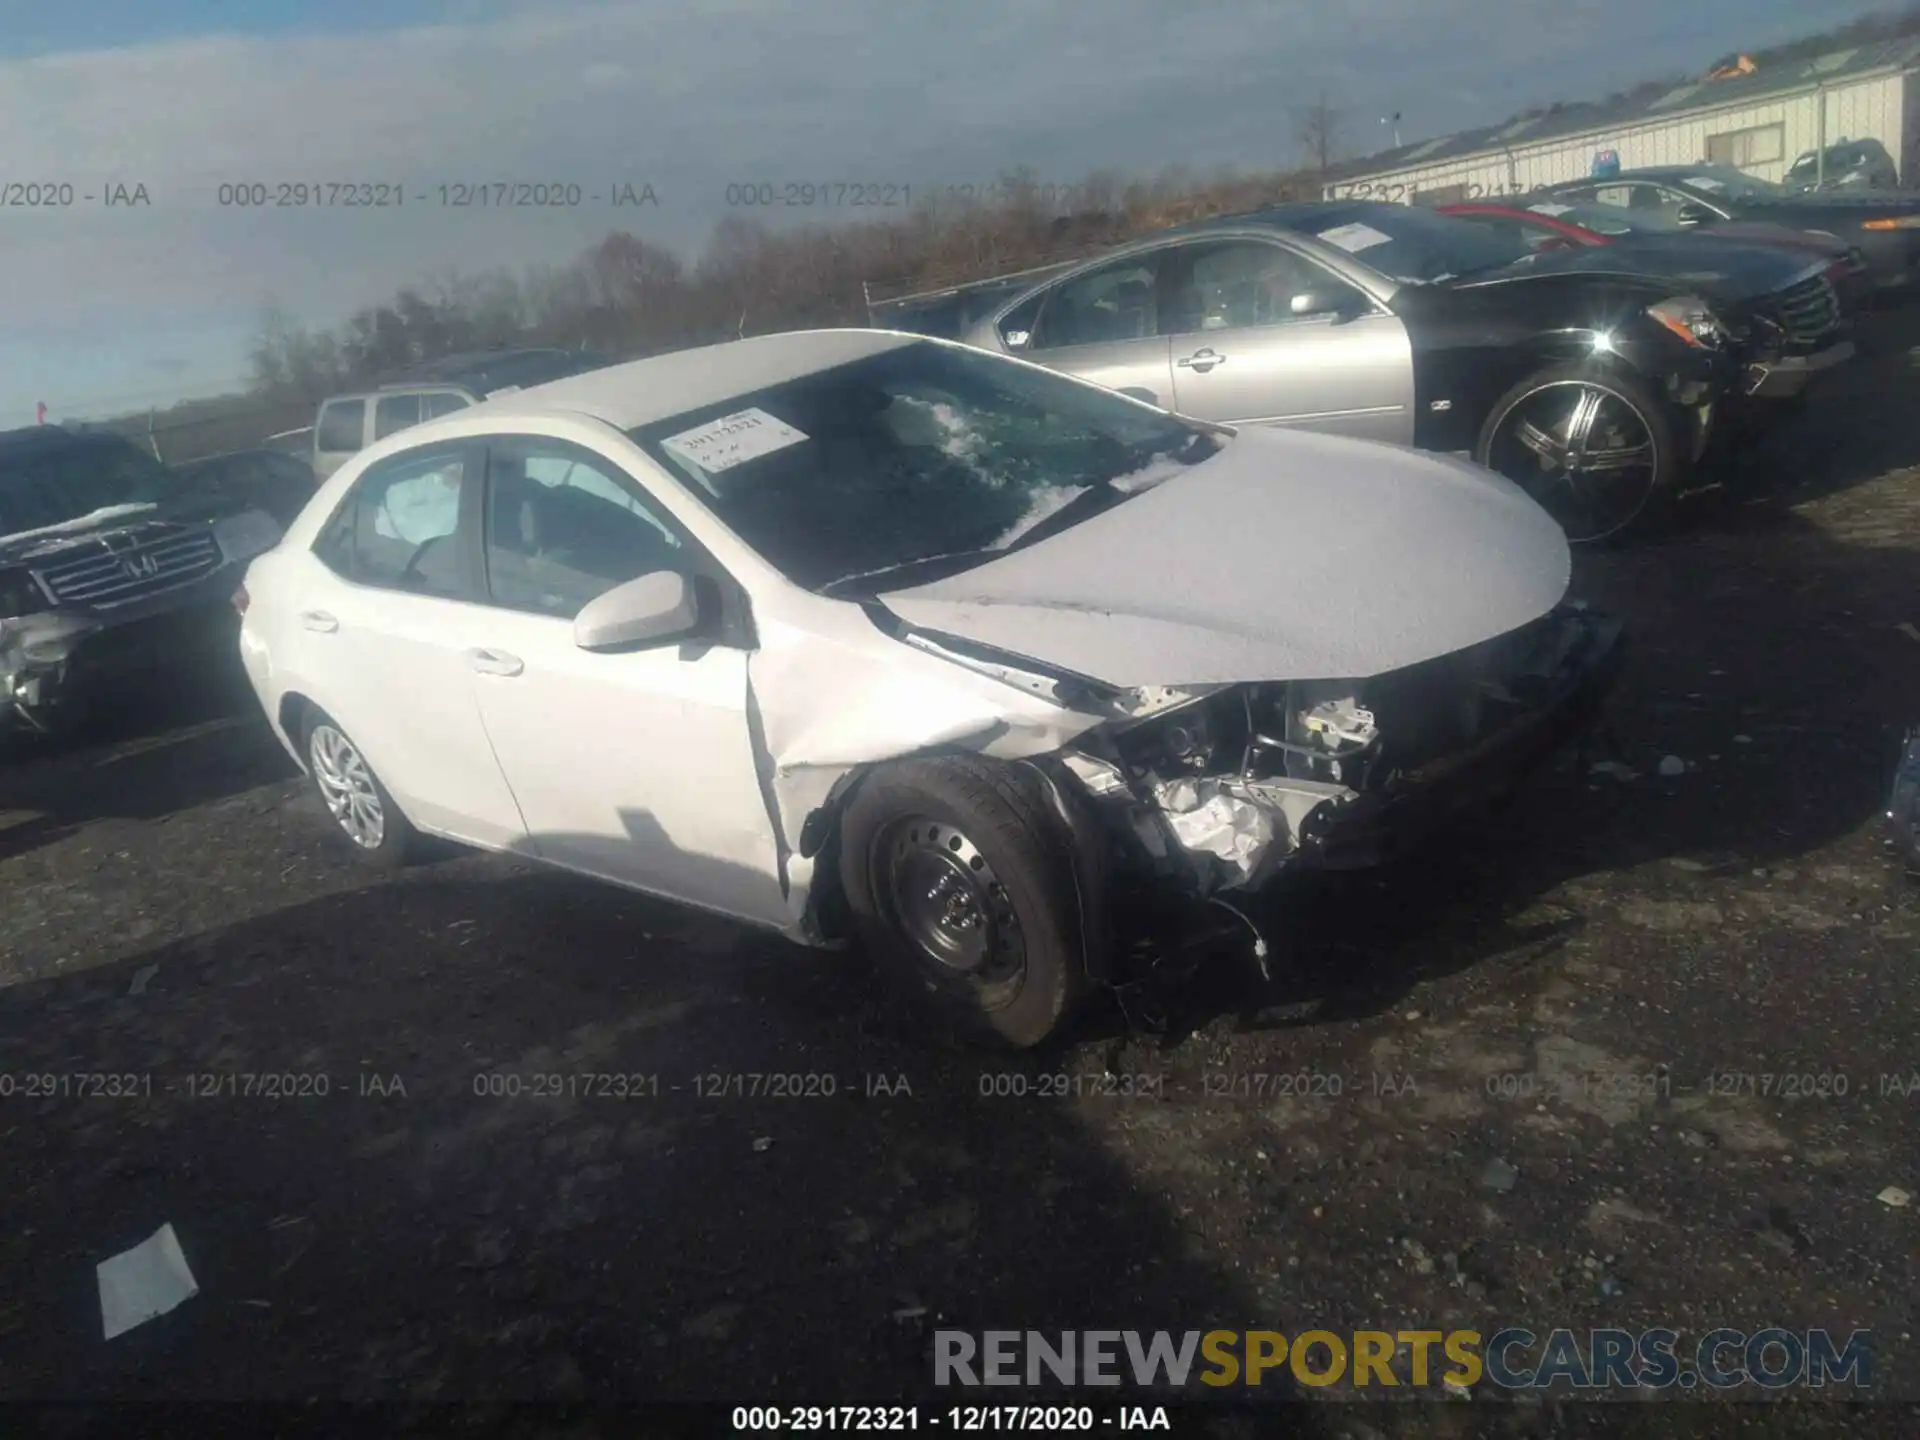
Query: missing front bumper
(1378, 825)
(1236, 830)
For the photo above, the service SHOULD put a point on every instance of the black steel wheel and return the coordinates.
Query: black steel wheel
(961, 888)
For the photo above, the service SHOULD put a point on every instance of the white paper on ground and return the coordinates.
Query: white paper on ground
(733, 439)
(143, 1283)
(1354, 238)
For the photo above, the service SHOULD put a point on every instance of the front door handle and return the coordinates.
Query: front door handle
(1201, 361)
(319, 620)
(495, 662)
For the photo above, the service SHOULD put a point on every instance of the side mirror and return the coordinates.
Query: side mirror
(659, 606)
(1341, 304)
(1691, 214)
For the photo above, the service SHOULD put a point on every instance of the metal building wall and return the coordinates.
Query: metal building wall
(1870, 108)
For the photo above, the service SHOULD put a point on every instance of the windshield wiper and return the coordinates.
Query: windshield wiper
(852, 584)
(1085, 505)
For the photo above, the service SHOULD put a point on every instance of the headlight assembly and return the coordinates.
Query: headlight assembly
(1689, 317)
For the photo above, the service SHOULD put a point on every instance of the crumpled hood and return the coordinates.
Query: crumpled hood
(1288, 556)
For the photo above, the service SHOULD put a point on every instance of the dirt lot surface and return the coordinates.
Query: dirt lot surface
(1642, 1054)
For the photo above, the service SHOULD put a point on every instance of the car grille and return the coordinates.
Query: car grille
(1808, 310)
(115, 576)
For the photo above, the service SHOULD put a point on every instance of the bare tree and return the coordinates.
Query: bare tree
(1318, 130)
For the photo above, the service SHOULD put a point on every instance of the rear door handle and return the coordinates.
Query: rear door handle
(1202, 361)
(319, 620)
(495, 662)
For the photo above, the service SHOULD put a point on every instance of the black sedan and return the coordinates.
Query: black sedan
(270, 480)
(1885, 226)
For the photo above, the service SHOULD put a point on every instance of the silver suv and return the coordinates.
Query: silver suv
(347, 424)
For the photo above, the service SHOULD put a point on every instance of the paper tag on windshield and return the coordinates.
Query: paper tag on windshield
(1354, 238)
(733, 440)
(1549, 209)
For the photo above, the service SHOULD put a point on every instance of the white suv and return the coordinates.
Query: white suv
(347, 424)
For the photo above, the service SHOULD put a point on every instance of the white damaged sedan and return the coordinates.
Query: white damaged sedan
(859, 635)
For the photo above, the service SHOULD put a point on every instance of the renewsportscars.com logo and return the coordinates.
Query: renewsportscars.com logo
(1513, 1358)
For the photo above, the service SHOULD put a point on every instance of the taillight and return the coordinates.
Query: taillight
(240, 600)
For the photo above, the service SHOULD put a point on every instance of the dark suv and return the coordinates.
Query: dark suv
(1850, 165)
(113, 569)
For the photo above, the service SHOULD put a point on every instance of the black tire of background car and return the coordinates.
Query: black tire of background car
(998, 808)
(1668, 461)
(399, 843)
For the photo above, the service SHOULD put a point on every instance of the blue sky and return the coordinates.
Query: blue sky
(113, 309)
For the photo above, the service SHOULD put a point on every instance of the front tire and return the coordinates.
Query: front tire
(364, 815)
(1595, 448)
(960, 886)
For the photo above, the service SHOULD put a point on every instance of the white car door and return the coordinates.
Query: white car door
(637, 766)
(385, 641)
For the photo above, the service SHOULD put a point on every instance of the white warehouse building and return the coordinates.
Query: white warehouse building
(1760, 121)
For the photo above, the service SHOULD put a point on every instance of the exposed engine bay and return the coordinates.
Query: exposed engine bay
(1222, 787)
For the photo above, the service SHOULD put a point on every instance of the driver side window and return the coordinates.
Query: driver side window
(399, 527)
(562, 529)
(1236, 284)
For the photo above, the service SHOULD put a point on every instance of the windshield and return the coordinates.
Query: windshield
(927, 457)
(1734, 184)
(1611, 219)
(66, 481)
(1415, 245)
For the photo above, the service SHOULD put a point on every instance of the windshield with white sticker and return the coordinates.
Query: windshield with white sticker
(919, 458)
(1415, 245)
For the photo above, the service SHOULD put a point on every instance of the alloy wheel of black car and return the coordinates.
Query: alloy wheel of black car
(1589, 452)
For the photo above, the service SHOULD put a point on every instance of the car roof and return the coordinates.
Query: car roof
(485, 369)
(1296, 216)
(32, 439)
(640, 392)
(1645, 172)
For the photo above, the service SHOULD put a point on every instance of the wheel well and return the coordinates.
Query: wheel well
(820, 841)
(293, 715)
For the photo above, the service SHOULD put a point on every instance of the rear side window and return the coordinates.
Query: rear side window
(1115, 303)
(342, 423)
(393, 413)
(399, 527)
(443, 402)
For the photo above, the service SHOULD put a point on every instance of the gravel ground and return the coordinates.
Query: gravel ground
(1637, 1055)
